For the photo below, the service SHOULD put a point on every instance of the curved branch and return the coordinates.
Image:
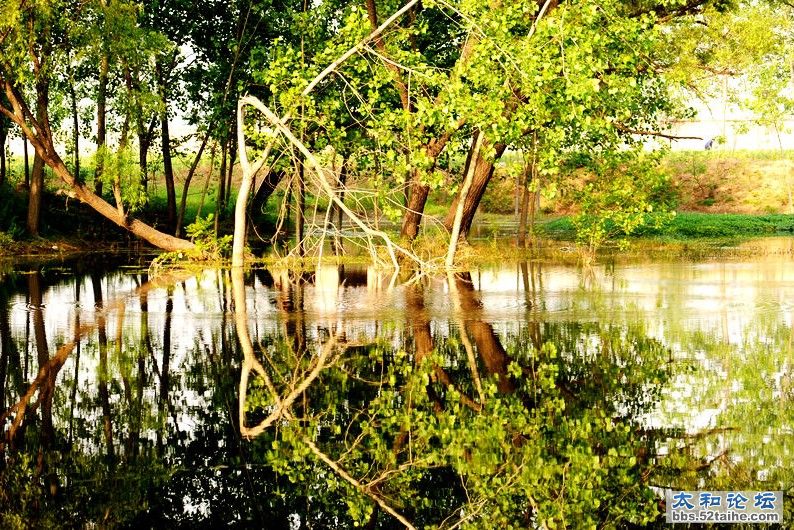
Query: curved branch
(323, 182)
(642, 132)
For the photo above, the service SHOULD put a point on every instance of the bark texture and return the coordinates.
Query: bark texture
(3, 135)
(35, 194)
(483, 171)
(419, 191)
(180, 219)
(101, 121)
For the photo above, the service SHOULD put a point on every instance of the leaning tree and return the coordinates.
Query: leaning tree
(31, 54)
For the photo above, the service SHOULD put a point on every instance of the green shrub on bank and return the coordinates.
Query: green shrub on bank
(5, 241)
(699, 225)
(202, 233)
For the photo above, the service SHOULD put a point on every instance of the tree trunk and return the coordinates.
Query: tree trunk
(221, 187)
(144, 139)
(35, 195)
(3, 135)
(483, 171)
(37, 178)
(101, 122)
(123, 139)
(266, 189)
(300, 204)
(75, 126)
(229, 172)
(27, 162)
(402, 88)
(287, 208)
(342, 184)
(413, 212)
(207, 180)
(180, 218)
(526, 180)
(419, 190)
(168, 169)
(143, 154)
(464, 193)
(336, 212)
(241, 205)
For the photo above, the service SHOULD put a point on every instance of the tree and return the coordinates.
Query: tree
(5, 126)
(579, 77)
(22, 26)
(743, 57)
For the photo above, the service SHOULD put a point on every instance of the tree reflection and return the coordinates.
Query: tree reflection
(230, 399)
(381, 429)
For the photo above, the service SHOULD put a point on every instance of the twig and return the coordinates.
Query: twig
(641, 132)
(366, 491)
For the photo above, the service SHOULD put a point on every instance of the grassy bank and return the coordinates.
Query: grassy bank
(692, 225)
(732, 181)
(726, 195)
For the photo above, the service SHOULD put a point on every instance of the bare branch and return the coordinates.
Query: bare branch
(326, 187)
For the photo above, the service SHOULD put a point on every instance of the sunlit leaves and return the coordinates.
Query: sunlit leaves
(618, 198)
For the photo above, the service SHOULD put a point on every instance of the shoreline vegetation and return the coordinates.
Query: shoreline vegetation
(721, 199)
(689, 236)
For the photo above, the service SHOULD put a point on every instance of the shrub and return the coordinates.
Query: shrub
(202, 233)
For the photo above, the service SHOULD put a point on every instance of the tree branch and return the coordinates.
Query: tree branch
(372, 13)
(642, 132)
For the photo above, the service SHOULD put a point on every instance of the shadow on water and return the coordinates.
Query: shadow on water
(523, 395)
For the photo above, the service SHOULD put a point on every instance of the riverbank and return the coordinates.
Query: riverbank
(686, 226)
(732, 181)
(40, 247)
(689, 235)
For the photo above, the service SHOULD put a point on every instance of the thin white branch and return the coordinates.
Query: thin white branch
(329, 190)
(464, 192)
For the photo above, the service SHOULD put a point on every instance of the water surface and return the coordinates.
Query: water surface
(521, 394)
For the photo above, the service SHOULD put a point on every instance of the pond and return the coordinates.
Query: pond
(530, 394)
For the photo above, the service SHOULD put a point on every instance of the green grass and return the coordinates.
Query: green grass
(699, 225)
(158, 201)
(690, 225)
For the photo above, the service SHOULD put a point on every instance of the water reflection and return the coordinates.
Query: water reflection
(524, 395)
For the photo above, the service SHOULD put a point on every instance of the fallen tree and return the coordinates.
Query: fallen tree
(39, 134)
(33, 48)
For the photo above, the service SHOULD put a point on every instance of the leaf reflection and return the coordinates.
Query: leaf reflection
(395, 429)
(325, 400)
